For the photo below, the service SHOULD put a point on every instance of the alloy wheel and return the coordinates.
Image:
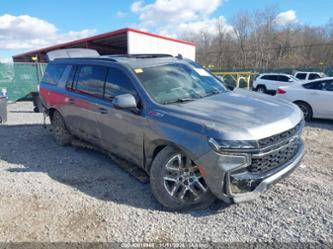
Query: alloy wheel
(305, 110)
(261, 90)
(183, 180)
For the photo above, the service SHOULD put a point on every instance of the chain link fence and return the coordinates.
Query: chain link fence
(327, 70)
(20, 79)
(246, 77)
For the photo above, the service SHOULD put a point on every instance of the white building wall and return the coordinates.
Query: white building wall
(146, 44)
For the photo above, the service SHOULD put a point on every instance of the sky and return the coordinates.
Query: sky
(31, 24)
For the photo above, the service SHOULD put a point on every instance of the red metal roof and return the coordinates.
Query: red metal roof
(101, 36)
(159, 36)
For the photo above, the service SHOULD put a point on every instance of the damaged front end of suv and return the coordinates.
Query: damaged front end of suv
(240, 171)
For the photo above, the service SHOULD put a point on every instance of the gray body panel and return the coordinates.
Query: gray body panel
(136, 135)
(237, 115)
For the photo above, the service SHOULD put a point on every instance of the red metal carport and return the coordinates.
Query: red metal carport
(115, 42)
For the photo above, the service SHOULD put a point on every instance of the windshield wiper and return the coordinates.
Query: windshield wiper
(214, 92)
(179, 100)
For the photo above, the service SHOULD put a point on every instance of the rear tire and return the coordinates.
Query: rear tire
(261, 89)
(306, 109)
(60, 132)
(177, 183)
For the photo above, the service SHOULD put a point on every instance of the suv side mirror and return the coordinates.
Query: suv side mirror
(124, 101)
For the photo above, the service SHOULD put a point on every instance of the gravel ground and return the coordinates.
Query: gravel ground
(53, 193)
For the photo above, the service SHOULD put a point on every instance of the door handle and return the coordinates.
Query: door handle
(314, 93)
(102, 110)
(71, 101)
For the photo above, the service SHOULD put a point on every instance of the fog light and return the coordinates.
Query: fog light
(243, 186)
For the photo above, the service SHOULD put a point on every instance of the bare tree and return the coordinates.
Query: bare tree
(242, 24)
(257, 41)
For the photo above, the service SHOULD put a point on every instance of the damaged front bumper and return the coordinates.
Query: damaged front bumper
(229, 179)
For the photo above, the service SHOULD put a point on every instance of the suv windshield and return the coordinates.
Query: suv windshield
(178, 82)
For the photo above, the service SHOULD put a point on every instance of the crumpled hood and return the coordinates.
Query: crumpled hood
(235, 115)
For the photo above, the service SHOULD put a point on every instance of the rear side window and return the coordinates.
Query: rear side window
(270, 77)
(329, 86)
(53, 73)
(301, 76)
(283, 78)
(91, 80)
(314, 76)
(117, 83)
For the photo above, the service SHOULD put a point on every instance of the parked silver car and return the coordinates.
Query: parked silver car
(194, 138)
(314, 98)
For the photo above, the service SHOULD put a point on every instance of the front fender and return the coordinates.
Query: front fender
(159, 134)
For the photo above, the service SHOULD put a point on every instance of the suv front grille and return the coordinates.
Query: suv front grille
(274, 159)
(276, 150)
(278, 138)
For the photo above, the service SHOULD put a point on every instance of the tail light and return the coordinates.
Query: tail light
(280, 91)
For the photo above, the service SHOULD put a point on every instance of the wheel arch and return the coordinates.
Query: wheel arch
(154, 147)
(261, 85)
(304, 102)
(51, 111)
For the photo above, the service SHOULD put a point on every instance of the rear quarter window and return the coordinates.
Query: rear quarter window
(53, 73)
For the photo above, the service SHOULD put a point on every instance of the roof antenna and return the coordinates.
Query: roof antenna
(179, 56)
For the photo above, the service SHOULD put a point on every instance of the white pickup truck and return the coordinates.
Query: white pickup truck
(309, 75)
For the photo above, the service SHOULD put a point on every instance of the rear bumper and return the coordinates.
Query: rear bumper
(228, 183)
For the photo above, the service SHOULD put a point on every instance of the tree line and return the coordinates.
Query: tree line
(256, 41)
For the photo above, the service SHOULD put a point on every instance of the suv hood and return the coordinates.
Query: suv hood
(235, 115)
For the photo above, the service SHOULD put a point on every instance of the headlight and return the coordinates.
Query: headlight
(220, 145)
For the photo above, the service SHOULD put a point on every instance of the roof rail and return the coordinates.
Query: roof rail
(114, 57)
(141, 56)
(100, 58)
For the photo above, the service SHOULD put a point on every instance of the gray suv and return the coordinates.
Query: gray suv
(194, 138)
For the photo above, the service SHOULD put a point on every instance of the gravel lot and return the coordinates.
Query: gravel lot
(53, 193)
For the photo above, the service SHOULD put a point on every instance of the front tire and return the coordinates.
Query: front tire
(176, 181)
(261, 89)
(306, 109)
(60, 132)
